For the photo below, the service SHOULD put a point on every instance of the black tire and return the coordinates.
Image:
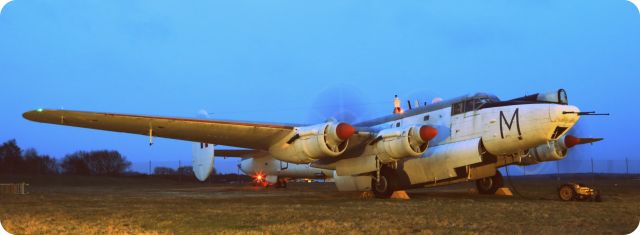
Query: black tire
(386, 185)
(598, 197)
(566, 193)
(491, 184)
(281, 183)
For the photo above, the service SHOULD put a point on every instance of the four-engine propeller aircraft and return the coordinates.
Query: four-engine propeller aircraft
(458, 140)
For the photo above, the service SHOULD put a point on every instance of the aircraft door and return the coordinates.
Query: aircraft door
(465, 119)
(457, 119)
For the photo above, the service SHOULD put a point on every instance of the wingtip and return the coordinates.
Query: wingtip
(30, 115)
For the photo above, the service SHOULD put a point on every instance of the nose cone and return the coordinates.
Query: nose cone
(564, 114)
(533, 125)
(562, 118)
(344, 131)
(427, 133)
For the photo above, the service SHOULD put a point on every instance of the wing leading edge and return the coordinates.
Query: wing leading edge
(230, 133)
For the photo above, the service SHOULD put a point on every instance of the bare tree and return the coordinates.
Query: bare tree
(35, 164)
(101, 162)
(10, 158)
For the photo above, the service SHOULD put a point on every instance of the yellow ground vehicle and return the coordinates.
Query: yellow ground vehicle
(578, 192)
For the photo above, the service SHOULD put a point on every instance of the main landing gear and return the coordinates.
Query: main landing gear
(281, 183)
(387, 184)
(491, 184)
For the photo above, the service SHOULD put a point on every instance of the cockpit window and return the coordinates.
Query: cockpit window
(470, 105)
(457, 108)
(481, 102)
(562, 97)
(558, 97)
(553, 97)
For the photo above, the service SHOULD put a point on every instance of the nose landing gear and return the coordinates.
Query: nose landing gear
(491, 184)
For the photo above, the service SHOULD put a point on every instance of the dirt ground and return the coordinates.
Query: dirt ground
(91, 205)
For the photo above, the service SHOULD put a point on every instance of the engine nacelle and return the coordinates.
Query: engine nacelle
(311, 143)
(397, 143)
(554, 151)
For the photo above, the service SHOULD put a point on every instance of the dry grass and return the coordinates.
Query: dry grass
(64, 205)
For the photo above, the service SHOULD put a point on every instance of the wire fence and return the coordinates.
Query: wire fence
(150, 166)
(619, 166)
(225, 166)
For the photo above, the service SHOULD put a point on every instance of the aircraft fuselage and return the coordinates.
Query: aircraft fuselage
(476, 135)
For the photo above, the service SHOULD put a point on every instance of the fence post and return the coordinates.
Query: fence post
(558, 172)
(627, 164)
(593, 173)
(179, 171)
(149, 167)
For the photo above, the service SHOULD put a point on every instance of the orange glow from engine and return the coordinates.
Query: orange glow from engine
(258, 177)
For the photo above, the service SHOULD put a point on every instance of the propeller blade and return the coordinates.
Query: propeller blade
(341, 103)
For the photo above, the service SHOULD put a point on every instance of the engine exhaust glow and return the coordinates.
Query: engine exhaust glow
(258, 177)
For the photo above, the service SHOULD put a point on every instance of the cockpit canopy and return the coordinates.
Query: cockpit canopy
(481, 101)
(555, 97)
(474, 102)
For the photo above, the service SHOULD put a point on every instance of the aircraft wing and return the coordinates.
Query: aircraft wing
(230, 133)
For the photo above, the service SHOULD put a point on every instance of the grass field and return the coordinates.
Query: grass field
(93, 205)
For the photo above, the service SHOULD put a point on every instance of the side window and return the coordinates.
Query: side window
(397, 124)
(468, 106)
(426, 118)
(457, 108)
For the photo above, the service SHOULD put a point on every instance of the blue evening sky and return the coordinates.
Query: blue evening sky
(279, 61)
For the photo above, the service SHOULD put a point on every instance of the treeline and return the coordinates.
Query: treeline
(15, 161)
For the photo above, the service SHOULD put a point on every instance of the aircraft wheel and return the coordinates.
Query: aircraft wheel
(566, 193)
(598, 197)
(387, 184)
(491, 184)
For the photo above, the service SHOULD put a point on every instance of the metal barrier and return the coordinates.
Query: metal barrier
(19, 188)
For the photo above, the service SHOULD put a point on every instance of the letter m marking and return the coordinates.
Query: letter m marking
(509, 124)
